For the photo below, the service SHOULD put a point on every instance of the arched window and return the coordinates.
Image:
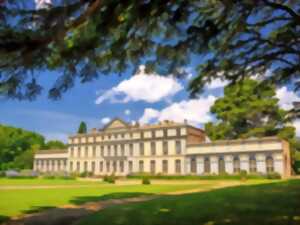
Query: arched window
(236, 164)
(206, 165)
(193, 165)
(252, 164)
(270, 164)
(221, 165)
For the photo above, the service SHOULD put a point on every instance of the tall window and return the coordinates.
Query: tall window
(153, 148)
(206, 165)
(79, 152)
(142, 135)
(193, 165)
(270, 164)
(71, 166)
(177, 166)
(122, 150)
(131, 149)
(107, 167)
(153, 133)
(221, 165)
(102, 150)
(121, 166)
(178, 132)
(94, 151)
(108, 150)
(141, 148)
(178, 147)
(165, 148)
(78, 167)
(116, 150)
(85, 166)
(165, 133)
(93, 167)
(72, 151)
(101, 166)
(165, 166)
(152, 166)
(86, 152)
(130, 166)
(141, 166)
(114, 166)
(252, 164)
(236, 165)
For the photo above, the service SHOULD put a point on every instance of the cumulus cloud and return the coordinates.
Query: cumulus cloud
(195, 111)
(142, 87)
(286, 98)
(127, 112)
(105, 120)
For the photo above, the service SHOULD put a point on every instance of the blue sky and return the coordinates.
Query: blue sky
(143, 98)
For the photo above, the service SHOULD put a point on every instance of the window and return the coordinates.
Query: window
(236, 165)
(178, 132)
(141, 166)
(270, 164)
(193, 165)
(177, 166)
(115, 136)
(86, 152)
(78, 166)
(101, 166)
(153, 148)
(122, 135)
(131, 149)
(142, 135)
(221, 165)
(107, 166)
(178, 147)
(165, 132)
(165, 166)
(93, 167)
(116, 150)
(114, 166)
(130, 166)
(72, 151)
(94, 151)
(121, 166)
(85, 166)
(252, 164)
(94, 139)
(102, 150)
(165, 148)
(108, 150)
(206, 165)
(141, 148)
(79, 152)
(153, 133)
(71, 166)
(152, 166)
(122, 150)
(109, 136)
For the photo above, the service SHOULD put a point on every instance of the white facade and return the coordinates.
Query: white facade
(167, 148)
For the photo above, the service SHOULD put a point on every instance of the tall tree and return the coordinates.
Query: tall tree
(82, 128)
(55, 144)
(85, 39)
(248, 110)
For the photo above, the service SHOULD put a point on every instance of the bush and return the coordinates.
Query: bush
(243, 175)
(86, 174)
(273, 175)
(110, 179)
(146, 181)
(2, 174)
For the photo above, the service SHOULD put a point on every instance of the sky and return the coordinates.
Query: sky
(134, 98)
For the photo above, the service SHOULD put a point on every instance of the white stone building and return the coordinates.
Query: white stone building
(166, 148)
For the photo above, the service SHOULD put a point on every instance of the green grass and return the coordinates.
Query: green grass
(276, 203)
(43, 181)
(19, 201)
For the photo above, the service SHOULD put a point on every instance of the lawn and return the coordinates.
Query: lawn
(273, 204)
(19, 201)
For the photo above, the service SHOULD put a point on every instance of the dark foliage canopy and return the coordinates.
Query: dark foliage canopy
(83, 39)
(82, 129)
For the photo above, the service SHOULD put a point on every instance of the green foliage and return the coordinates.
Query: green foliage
(243, 175)
(194, 177)
(54, 144)
(82, 128)
(146, 181)
(273, 176)
(86, 39)
(110, 179)
(248, 110)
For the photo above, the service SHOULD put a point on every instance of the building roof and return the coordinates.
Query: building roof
(52, 151)
(238, 141)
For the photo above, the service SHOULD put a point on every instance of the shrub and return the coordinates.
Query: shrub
(146, 181)
(2, 174)
(110, 179)
(86, 174)
(273, 175)
(243, 175)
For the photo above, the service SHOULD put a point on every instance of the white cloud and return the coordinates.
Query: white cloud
(39, 4)
(142, 87)
(286, 98)
(105, 120)
(216, 83)
(127, 112)
(195, 111)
